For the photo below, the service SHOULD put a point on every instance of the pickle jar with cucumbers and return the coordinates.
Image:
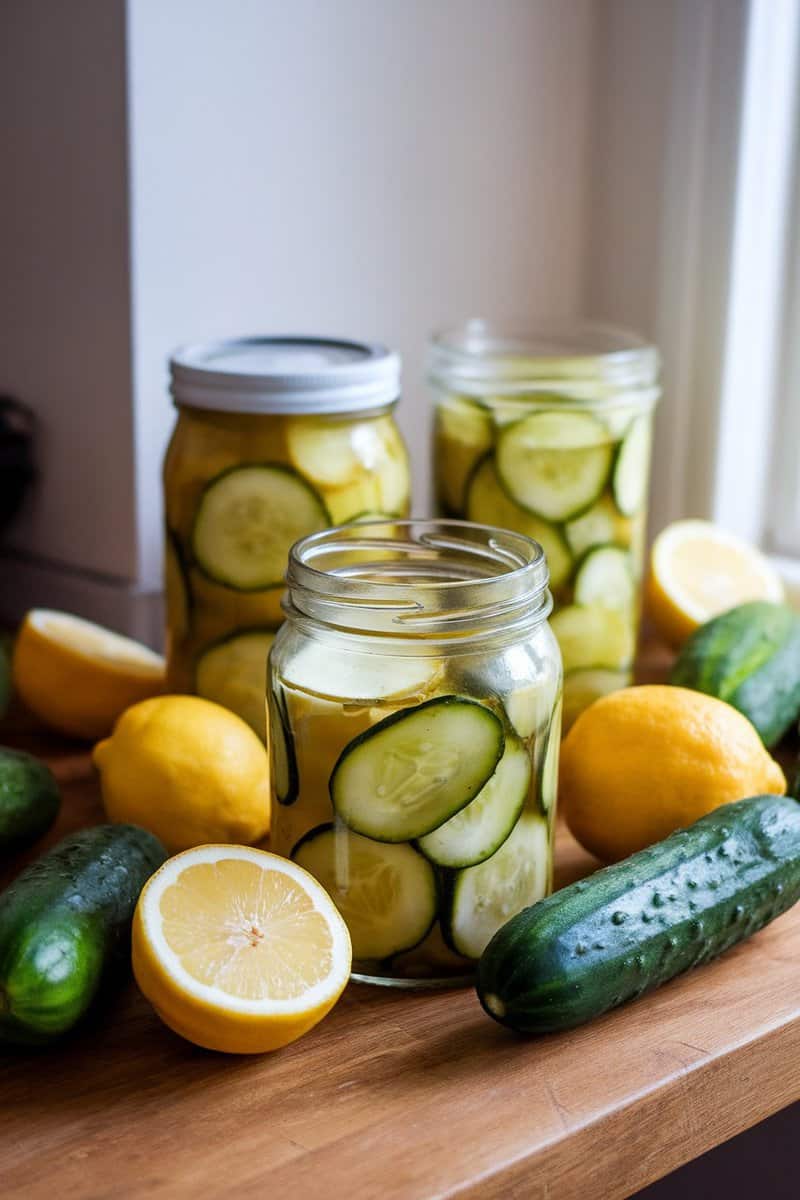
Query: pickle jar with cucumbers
(414, 697)
(549, 433)
(275, 438)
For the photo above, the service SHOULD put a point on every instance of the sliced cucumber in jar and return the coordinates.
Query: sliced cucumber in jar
(386, 894)
(417, 768)
(484, 897)
(605, 578)
(548, 779)
(346, 503)
(632, 467)
(601, 525)
(329, 452)
(350, 676)
(283, 760)
(233, 673)
(176, 589)
(554, 464)
(488, 504)
(248, 519)
(593, 637)
(392, 474)
(478, 831)
(463, 435)
(583, 687)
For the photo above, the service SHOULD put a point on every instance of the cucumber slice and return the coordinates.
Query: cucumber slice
(218, 610)
(488, 504)
(386, 894)
(476, 832)
(605, 577)
(632, 467)
(582, 688)
(330, 452)
(527, 708)
(347, 675)
(554, 464)
(594, 637)
(463, 435)
(392, 473)
(346, 503)
(548, 781)
(282, 754)
(601, 525)
(484, 897)
(248, 519)
(176, 590)
(234, 673)
(415, 769)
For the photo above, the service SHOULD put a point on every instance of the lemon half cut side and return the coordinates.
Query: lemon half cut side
(697, 571)
(237, 949)
(79, 677)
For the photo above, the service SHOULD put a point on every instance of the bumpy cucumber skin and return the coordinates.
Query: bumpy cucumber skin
(65, 925)
(29, 799)
(749, 657)
(633, 926)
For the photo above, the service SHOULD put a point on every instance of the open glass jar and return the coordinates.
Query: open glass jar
(275, 438)
(414, 696)
(549, 432)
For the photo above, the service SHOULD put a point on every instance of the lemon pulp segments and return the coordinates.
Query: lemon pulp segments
(249, 932)
(237, 949)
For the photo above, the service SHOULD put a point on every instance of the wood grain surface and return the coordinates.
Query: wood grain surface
(403, 1096)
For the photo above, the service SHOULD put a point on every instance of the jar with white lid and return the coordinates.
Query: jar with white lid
(414, 695)
(275, 438)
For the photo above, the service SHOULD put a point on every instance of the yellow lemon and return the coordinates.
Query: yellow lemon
(188, 770)
(698, 571)
(78, 677)
(644, 761)
(238, 950)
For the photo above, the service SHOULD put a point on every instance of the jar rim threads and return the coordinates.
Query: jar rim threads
(418, 578)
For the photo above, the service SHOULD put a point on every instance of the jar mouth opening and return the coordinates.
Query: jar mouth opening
(577, 360)
(417, 577)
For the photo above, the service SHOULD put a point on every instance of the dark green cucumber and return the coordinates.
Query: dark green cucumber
(749, 657)
(29, 799)
(632, 926)
(64, 926)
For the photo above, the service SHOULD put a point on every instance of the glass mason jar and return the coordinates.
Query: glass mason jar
(414, 696)
(549, 433)
(275, 438)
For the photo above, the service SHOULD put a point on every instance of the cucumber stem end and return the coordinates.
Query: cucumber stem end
(495, 1006)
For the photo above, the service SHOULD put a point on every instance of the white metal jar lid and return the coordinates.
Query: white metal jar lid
(285, 375)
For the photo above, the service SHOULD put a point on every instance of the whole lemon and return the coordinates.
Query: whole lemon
(188, 770)
(644, 761)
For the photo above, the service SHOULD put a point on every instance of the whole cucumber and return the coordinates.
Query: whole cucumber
(750, 657)
(29, 799)
(632, 926)
(64, 926)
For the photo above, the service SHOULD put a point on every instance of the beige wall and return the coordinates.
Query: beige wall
(358, 168)
(64, 300)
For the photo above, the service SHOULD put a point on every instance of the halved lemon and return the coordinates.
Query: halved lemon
(237, 949)
(78, 677)
(698, 571)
